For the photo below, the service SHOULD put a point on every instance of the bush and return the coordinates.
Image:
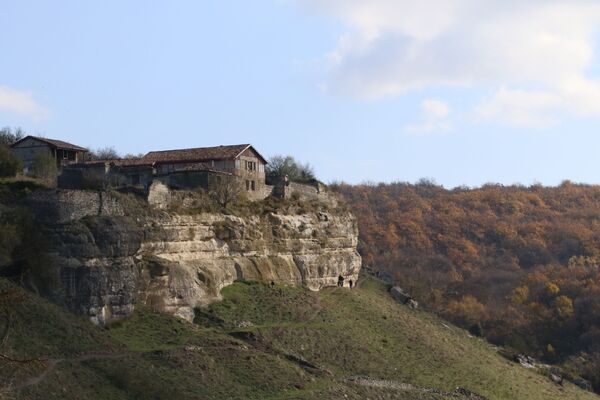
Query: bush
(44, 167)
(476, 330)
(10, 165)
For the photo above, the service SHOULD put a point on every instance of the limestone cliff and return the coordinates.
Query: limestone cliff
(111, 257)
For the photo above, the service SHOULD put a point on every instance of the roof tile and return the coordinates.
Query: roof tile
(197, 154)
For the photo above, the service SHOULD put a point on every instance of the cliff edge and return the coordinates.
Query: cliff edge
(111, 252)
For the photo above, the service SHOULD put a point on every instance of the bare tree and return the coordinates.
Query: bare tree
(10, 135)
(280, 166)
(10, 165)
(105, 153)
(226, 189)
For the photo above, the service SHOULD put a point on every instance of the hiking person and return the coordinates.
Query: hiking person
(350, 282)
(340, 281)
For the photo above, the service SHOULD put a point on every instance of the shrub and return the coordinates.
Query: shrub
(476, 330)
(44, 167)
(10, 165)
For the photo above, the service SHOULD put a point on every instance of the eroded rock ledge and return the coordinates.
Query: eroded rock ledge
(109, 261)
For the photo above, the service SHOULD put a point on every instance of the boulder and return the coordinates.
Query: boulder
(403, 298)
(582, 383)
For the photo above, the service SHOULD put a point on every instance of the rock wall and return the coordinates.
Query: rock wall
(109, 263)
(63, 205)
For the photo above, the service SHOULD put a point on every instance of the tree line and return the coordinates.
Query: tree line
(520, 265)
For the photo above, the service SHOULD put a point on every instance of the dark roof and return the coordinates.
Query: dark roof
(201, 154)
(130, 162)
(119, 162)
(59, 144)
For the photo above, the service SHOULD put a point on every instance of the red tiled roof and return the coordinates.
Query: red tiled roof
(200, 154)
(59, 144)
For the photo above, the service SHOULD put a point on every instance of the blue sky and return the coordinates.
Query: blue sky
(462, 92)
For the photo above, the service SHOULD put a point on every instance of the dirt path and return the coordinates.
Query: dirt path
(51, 364)
(458, 393)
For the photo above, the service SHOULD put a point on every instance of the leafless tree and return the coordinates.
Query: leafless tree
(226, 189)
(105, 153)
(280, 166)
(10, 135)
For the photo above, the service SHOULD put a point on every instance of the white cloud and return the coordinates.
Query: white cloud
(521, 107)
(392, 47)
(21, 102)
(434, 114)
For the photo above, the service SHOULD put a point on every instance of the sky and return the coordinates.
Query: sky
(464, 92)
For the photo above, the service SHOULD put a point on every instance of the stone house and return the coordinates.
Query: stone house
(181, 169)
(189, 169)
(241, 160)
(30, 147)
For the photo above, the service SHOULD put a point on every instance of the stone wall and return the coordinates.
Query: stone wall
(63, 205)
(159, 195)
(94, 176)
(261, 192)
(305, 192)
(187, 180)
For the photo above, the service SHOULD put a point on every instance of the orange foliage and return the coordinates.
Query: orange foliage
(523, 261)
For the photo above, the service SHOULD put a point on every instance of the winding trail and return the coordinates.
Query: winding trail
(51, 364)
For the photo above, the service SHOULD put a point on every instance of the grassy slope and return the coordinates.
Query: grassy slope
(348, 333)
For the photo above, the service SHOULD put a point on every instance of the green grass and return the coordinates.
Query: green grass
(13, 189)
(238, 348)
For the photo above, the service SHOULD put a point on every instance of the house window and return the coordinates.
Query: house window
(250, 165)
(65, 154)
(247, 185)
(253, 185)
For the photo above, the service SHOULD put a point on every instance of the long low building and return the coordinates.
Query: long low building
(182, 169)
(30, 148)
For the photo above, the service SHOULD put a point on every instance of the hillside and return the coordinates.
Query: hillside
(262, 343)
(522, 263)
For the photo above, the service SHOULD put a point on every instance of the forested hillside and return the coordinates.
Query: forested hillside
(520, 264)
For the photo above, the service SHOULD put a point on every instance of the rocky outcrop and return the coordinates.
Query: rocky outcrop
(110, 263)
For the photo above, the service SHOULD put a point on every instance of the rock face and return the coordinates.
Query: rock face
(110, 262)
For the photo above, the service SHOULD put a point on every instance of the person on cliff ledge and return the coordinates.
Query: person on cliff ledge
(340, 281)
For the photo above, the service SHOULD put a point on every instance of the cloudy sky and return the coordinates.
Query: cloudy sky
(461, 91)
